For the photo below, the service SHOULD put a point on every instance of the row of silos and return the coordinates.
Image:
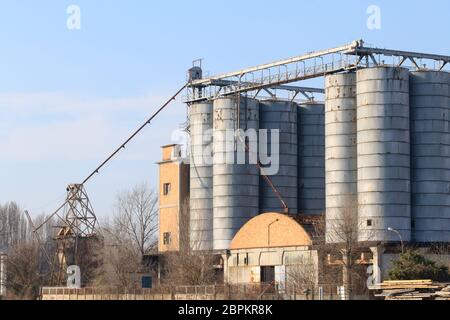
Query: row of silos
(390, 127)
(227, 189)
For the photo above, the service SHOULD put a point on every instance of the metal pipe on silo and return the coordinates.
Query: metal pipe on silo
(201, 176)
(281, 116)
(235, 186)
(311, 158)
(383, 125)
(340, 154)
(430, 151)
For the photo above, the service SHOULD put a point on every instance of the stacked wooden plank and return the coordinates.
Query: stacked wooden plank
(412, 290)
(444, 294)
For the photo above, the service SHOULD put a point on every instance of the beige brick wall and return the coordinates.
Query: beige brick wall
(171, 171)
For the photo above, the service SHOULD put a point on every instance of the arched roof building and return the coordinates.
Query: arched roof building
(275, 230)
(271, 247)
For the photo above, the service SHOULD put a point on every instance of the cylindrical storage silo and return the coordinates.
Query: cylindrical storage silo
(236, 182)
(430, 152)
(311, 158)
(279, 119)
(340, 155)
(384, 191)
(201, 176)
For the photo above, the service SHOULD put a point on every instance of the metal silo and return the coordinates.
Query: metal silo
(384, 195)
(430, 151)
(201, 176)
(311, 158)
(340, 153)
(281, 116)
(236, 186)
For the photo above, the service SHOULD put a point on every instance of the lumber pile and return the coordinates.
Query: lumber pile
(412, 290)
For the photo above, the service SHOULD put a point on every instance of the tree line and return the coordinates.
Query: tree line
(112, 259)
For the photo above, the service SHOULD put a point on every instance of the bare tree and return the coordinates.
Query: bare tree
(131, 235)
(120, 263)
(14, 228)
(189, 269)
(302, 277)
(343, 240)
(23, 259)
(136, 219)
(189, 266)
(29, 264)
(32, 257)
(25, 272)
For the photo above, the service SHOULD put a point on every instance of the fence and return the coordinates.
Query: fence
(211, 292)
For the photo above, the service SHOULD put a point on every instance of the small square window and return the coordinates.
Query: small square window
(166, 238)
(369, 223)
(166, 188)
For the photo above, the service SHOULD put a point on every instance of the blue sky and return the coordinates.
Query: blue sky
(68, 98)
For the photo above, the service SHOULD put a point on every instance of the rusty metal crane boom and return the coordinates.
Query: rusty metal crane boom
(80, 217)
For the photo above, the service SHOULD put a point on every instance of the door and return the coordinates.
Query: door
(268, 275)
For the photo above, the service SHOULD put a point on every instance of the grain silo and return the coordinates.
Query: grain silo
(201, 176)
(380, 149)
(384, 198)
(311, 158)
(430, 150)
(340, 154)
(236, 186)
(282, 116)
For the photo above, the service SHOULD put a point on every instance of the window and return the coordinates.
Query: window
(242, 259)
(166, 238)
(166, 188)
(413, 224)
(147, 282)
(268, 275)
(369, 223)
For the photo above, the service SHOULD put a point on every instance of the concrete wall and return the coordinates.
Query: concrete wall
(65, 294)
(244, 266)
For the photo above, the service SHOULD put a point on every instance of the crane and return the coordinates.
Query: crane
(79, 221)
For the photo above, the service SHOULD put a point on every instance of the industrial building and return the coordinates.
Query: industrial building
(376, 149)
(174, 175)
(286, 184)
(271, 247)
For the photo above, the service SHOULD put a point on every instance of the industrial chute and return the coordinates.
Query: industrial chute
(79, 222)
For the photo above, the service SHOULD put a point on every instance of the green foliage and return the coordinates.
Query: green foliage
(411, 265)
